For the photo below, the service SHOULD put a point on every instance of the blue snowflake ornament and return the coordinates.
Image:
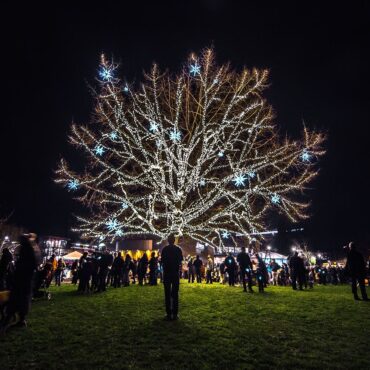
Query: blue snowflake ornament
(106, 74)
(124, 205)
(119, 232)
(153, 126)
(73, 184)
(305, 156)
(275, 199)
(99, 150)
(194, 69)
(112, 224)
(225, 234)
(175, 135)
(251, 174)
(239, 180)
(113, 135)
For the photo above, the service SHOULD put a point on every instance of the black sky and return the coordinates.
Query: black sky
(318, 55)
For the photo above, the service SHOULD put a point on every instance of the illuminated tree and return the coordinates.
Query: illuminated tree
(196, 154)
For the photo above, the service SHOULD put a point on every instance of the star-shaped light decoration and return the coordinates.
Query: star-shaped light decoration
(153, 126)
(73, 184)
(119, 232)
(125, 88)
(175, 135)
(202, 182)
(158, 143)
(225, 234)
(194, 69)
(275, 199)
(99, 150)
(305, 156)
(106, 74)
(113, 135)
(112, 224)
(239, 180)
(221, 153)
(215, 81)
(124, 205)
(251, 174)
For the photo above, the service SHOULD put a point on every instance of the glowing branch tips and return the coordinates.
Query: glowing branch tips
(196, 154)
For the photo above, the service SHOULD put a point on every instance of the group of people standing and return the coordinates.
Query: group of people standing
(94, 273)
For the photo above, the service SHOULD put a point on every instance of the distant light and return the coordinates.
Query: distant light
(268, 247)
(294, 249)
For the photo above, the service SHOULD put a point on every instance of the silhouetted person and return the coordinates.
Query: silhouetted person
(117, 270)
(171, 261)
(261, 274)
(142, 268)
(126, 270)
(153, 267)
(20, 296)
(198, 268)
(230, 268)
(5, 261)
(209, 270)
(59, 271)
(105, 261)
(191, 275)
(82, 273)
(74, 270)
(356, 268)
(246, 268)
(297, 271)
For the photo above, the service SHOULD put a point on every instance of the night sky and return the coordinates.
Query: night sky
(318, 56)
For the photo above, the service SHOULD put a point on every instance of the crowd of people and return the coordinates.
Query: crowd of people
(23, 274)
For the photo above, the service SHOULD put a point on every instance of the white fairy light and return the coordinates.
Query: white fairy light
(164, 143)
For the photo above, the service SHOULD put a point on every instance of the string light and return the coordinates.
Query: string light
(164, 142)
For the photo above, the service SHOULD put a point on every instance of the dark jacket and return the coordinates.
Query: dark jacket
(356, 264)
(171, 260)
(244, 260)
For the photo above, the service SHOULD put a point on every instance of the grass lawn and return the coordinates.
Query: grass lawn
(219, 327)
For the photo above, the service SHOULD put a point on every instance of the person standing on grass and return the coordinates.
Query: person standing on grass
(153, 268)
(246, 269)
(191, 275)
(198, 268)
(356, 268)
(5, 262)
(171, 262)
(230, 268)
(209, 270)
(29, 258)
(297, 271)
(59, 271)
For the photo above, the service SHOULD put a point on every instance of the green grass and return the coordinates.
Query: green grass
(219, 327)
